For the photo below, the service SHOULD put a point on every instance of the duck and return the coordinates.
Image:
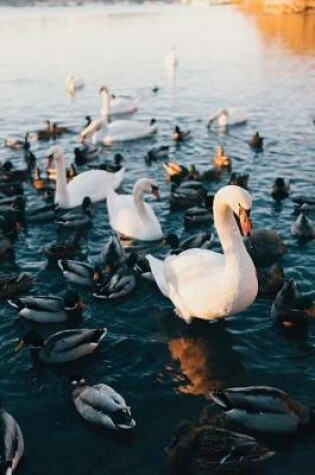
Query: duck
(110, 132)
(197, 450)
(38, 182)
(115, 166)
(303, 228)
(85, 153)
(119, 283)
(119, 105)
(73, 84)
(76, 219)
(179, 135)
(270, 280)
(239, 180)
(256, 142)
(15, 284)
(63, 346)
(17, 144)
(12, 444)
(280, 189)
(71, 172)
(183, 199)
(199, 240)
(207, 285)
(157, 153)
(48, 309)
(227, 118)
(262, 409)
(67, 250)
(46, 133)
(8, 173)
(101, 405)
(80, 273)
(221, 160)
(265, 245)
(93, 183)
(290, 309)
(46, 212)
(131, 216)
(112, 254)
(177, 173)
(200, 215)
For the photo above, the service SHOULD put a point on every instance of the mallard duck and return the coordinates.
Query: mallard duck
(46, 133)
(49, 309)
(11, 443)
(112, 254)
(12, 188)
(113, 167)
(15, 284)
(265, 245)
(207, 448)
(57, 130)
(101, 405)
(8, 173)
(17, 144)
(270, 280)
(262, 409)
(41, 213)
(303, 227)
(177, 173)
(67, 250)
(118, 284)
(64, 346)
(280, 189)
(156, 153)
(76, 219)
(81, 273)
(185, 198)
(200, 215)
(301, 199)
(256, 142)
(221, 160)
(239, 180)
(200, 240)
(179, 135)
(290, 309)
(85, 153)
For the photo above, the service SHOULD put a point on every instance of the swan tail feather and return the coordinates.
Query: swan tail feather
(156, 267)
(119, 178)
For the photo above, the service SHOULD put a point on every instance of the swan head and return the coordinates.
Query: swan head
(104, 89)
(147, 185)
(54, 153)
(240, 201)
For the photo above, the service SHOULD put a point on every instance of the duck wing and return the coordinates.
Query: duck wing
(49, 304)
(103, 398)
(82, 269)
(67, 340)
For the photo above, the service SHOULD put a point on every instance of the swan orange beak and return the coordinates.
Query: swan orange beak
(245, 222)
(20, 345)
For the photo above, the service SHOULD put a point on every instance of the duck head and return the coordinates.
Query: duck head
(118, 159)
(73, 304)
(172, 240)
(32, 339)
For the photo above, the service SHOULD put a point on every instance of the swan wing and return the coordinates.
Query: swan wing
(157, 269)
(123, 130)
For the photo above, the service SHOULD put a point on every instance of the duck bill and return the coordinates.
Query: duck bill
(245, 222)
(81, 305)
(20, 346)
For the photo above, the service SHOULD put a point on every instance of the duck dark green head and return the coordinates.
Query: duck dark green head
(118, 158)
(32, 339)
(172, 240)
(73, 304)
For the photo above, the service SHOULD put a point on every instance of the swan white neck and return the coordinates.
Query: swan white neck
(61, 195)
(105, 96)
(138, 197)
(227, 229)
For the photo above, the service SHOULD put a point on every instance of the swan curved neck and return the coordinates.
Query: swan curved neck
(105, 103)
(138, 197)
(61, 195)
(227, 229)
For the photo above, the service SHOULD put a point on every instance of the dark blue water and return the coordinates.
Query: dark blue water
(163, 367)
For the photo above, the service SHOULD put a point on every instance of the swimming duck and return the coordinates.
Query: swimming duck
(256, 142)
(46, 133)
(92, 183)
(67, 250)
(14, 284)
(112, 254)
(101, 405)
(204, 284)
(185, 198)
(239, 180)
(119, 284)
(221, 160)
(113, 167)
(49, 309)
(200, 240)
(303, 227)
(17, 144)
(290, 309)
(200, 215)
(131, 216)
(262, 409)
(265, 245)
(64, 346)
(179, 135)
(80, 273)
(41, 213)
(208, 449)
(228, 118)
(76, 219)
(11, 443)
(85, 153)
(38, 182)
(8, 173)
(270, 280)
(156, 153)
(280, 189)
(119, 105)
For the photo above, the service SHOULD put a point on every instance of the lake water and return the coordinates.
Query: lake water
(163, 368)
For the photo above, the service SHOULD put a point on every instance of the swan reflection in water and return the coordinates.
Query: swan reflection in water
(206, 358)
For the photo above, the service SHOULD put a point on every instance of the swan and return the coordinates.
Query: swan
(227, 118)
(73, 84)
(11, 443)
(171, 60)
(130, 216)
(118, 104)
(205, 284)
(107, 132)
(93, 183)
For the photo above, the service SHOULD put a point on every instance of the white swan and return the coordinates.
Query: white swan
(73, 84)
(92, 183)
(130, 216)
(118, 104)
(228, 118)
(205, 284)
(171, 61)
(108, 133)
